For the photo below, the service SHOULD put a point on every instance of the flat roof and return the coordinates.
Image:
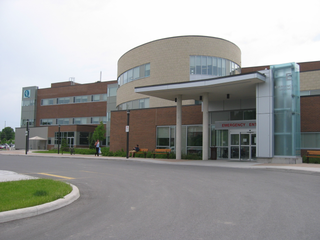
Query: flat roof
(239, 86)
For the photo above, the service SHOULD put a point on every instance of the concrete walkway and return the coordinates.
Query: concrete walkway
(75, 194)
(213, 163)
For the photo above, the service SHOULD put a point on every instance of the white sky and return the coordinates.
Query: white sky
(47, 41)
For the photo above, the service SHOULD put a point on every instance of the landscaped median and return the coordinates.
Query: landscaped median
(27, 198)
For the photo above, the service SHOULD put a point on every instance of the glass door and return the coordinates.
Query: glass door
(70, 141)
(234, 146)
(242, 145)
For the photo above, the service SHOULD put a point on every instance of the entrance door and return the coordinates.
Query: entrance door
(70, 141)
(242, 145)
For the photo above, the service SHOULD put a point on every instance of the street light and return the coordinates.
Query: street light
(27, 137)
(127, 130)
(59, 139)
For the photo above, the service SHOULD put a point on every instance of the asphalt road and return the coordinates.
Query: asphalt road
(136, 200)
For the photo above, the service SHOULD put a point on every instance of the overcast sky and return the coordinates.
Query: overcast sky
(47, 41)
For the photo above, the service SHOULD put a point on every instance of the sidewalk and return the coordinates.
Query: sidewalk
(213, 163)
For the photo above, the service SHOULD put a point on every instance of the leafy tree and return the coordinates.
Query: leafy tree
(99, 133)
(7, 133)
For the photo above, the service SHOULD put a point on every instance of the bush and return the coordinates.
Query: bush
(311, 160)
(191, 157)
(105, 151)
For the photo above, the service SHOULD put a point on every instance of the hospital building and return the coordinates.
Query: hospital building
(188, 94)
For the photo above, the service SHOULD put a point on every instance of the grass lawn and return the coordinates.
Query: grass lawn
(28, 193)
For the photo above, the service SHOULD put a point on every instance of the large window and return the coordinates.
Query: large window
(194, 140)
(48, 121)
(221, 141)
(63, 135)
(166, 137)
(82, 120)
(49, 101)
(135, 104)
(84, 138)
(63, 121)
(249, 114)
(139, 72)
(202, 67)
(64, 100)
(310, 140)
(81, 99)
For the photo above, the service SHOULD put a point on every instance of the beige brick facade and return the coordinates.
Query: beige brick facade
(310, 80)
(169, 62)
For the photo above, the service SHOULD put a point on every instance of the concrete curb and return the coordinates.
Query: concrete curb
(40, 209)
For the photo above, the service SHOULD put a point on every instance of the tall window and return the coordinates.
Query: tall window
(202, 67)
(194, 140)
(139, 72)
(165, 137)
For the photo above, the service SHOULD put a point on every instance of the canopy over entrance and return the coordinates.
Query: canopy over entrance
(237, 86)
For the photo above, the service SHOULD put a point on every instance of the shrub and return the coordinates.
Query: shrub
(311, 160)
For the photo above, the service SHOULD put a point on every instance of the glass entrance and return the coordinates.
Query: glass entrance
(242, 145)
(70, 141)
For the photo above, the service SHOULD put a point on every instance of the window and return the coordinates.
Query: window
(96, 98)
(310, 140)
(112, 91)
(63, 121)
(194, 136)
(147, 71)
(236, 115)
(141, 71)
(64, 100)
(47, 102)
(222, 143)
(84, 138)
(206, 66)
(166, 137)
(135, 104)
(194, 140)
(136, 72)
(63, 135)
(47, 121)
(95, 120)
(81, 99)
(192, 65)
(80, 120)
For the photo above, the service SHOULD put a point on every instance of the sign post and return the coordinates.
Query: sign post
(127, 131)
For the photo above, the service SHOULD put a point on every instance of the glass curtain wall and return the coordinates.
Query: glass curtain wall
(287, 135)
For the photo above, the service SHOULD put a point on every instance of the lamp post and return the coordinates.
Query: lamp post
(59, 139)
(127, 130)
(27, 137)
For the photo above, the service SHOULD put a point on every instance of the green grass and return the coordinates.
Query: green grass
(28, 193)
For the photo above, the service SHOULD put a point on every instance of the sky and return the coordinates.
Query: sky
(49, 41)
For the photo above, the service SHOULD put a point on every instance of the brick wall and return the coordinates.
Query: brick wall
(89, 109)
(143, 125)
(310, 114)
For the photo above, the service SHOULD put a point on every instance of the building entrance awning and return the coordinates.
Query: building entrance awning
(237, 86)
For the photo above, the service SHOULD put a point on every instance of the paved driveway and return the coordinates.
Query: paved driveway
(140, 200)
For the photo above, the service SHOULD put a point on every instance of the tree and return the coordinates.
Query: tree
(7, 133)
(99, 133)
